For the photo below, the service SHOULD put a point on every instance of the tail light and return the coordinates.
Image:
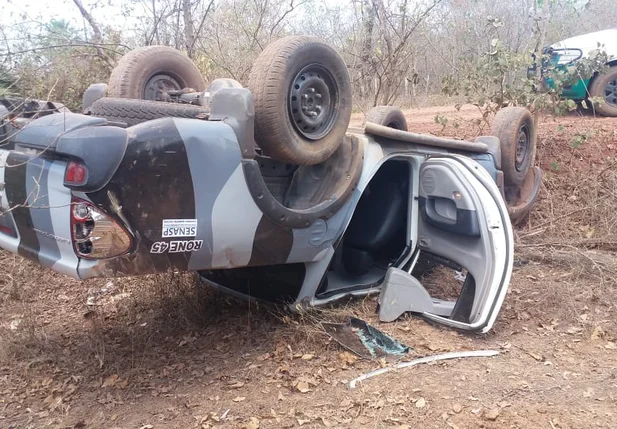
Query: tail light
(4, 229)
(96, 235)
(75, 174)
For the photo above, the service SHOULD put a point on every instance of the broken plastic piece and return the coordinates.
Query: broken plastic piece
(402, 292)
(359, 337)
(426, 359)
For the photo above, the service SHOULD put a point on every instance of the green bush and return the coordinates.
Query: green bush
(498, 78)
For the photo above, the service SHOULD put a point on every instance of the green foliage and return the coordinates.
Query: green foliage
(8, 83)
(441, 120)
(54, 63)
(579, 139)
(499, 78)
(492, 80)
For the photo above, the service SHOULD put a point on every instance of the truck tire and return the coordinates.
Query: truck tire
(133, 112)
(302, 98)
(388, 116)
(144, 73)
(514, 128)
(605, 86)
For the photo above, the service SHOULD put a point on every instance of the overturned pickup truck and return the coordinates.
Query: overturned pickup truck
(265, 191)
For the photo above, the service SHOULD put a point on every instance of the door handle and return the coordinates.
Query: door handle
(441, 210)
(443, 213)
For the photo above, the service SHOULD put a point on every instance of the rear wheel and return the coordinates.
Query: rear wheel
(387, 116)
(302, 98)
(148, 72)
(514, 128)
(133, 112)
(604, 86)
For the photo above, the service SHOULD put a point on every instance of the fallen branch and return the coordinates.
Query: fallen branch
(426, 359)
(593, 243)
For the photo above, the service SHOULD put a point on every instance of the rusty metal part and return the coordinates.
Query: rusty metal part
(424, 139)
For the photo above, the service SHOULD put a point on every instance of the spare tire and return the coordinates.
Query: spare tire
(514, 128)
(302, 97)
(144, 73)
(133, 112)
(388, 116)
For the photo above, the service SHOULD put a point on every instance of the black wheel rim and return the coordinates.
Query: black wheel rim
(159, 84)
(522, 147)
(610, 92)
(313, 101)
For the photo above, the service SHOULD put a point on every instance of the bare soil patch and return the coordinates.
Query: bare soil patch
(162, 352)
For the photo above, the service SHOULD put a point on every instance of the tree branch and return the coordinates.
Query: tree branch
(98, 36)
(201, 24)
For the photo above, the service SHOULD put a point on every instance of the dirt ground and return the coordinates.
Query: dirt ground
(160, 353)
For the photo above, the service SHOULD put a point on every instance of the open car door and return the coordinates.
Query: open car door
(462, 219)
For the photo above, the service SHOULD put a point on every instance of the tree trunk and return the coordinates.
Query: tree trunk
(155, 30)
(189, 31)
(539, 47)
(98, 36)
(367, 46)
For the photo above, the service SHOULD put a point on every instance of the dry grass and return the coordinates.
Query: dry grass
(577, 208)
(442, 283)
(571, 237)
(181, 346)
(22, 335)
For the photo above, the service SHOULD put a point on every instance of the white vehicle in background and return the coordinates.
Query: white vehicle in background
(603, 85)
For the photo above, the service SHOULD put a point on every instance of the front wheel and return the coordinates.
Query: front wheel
(604, 86)
(388, 116)
(514, 128)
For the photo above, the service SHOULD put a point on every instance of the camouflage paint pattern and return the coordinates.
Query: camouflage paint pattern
(178, 169)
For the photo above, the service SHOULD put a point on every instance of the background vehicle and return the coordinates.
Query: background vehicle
(265, 190)
(566, 52)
